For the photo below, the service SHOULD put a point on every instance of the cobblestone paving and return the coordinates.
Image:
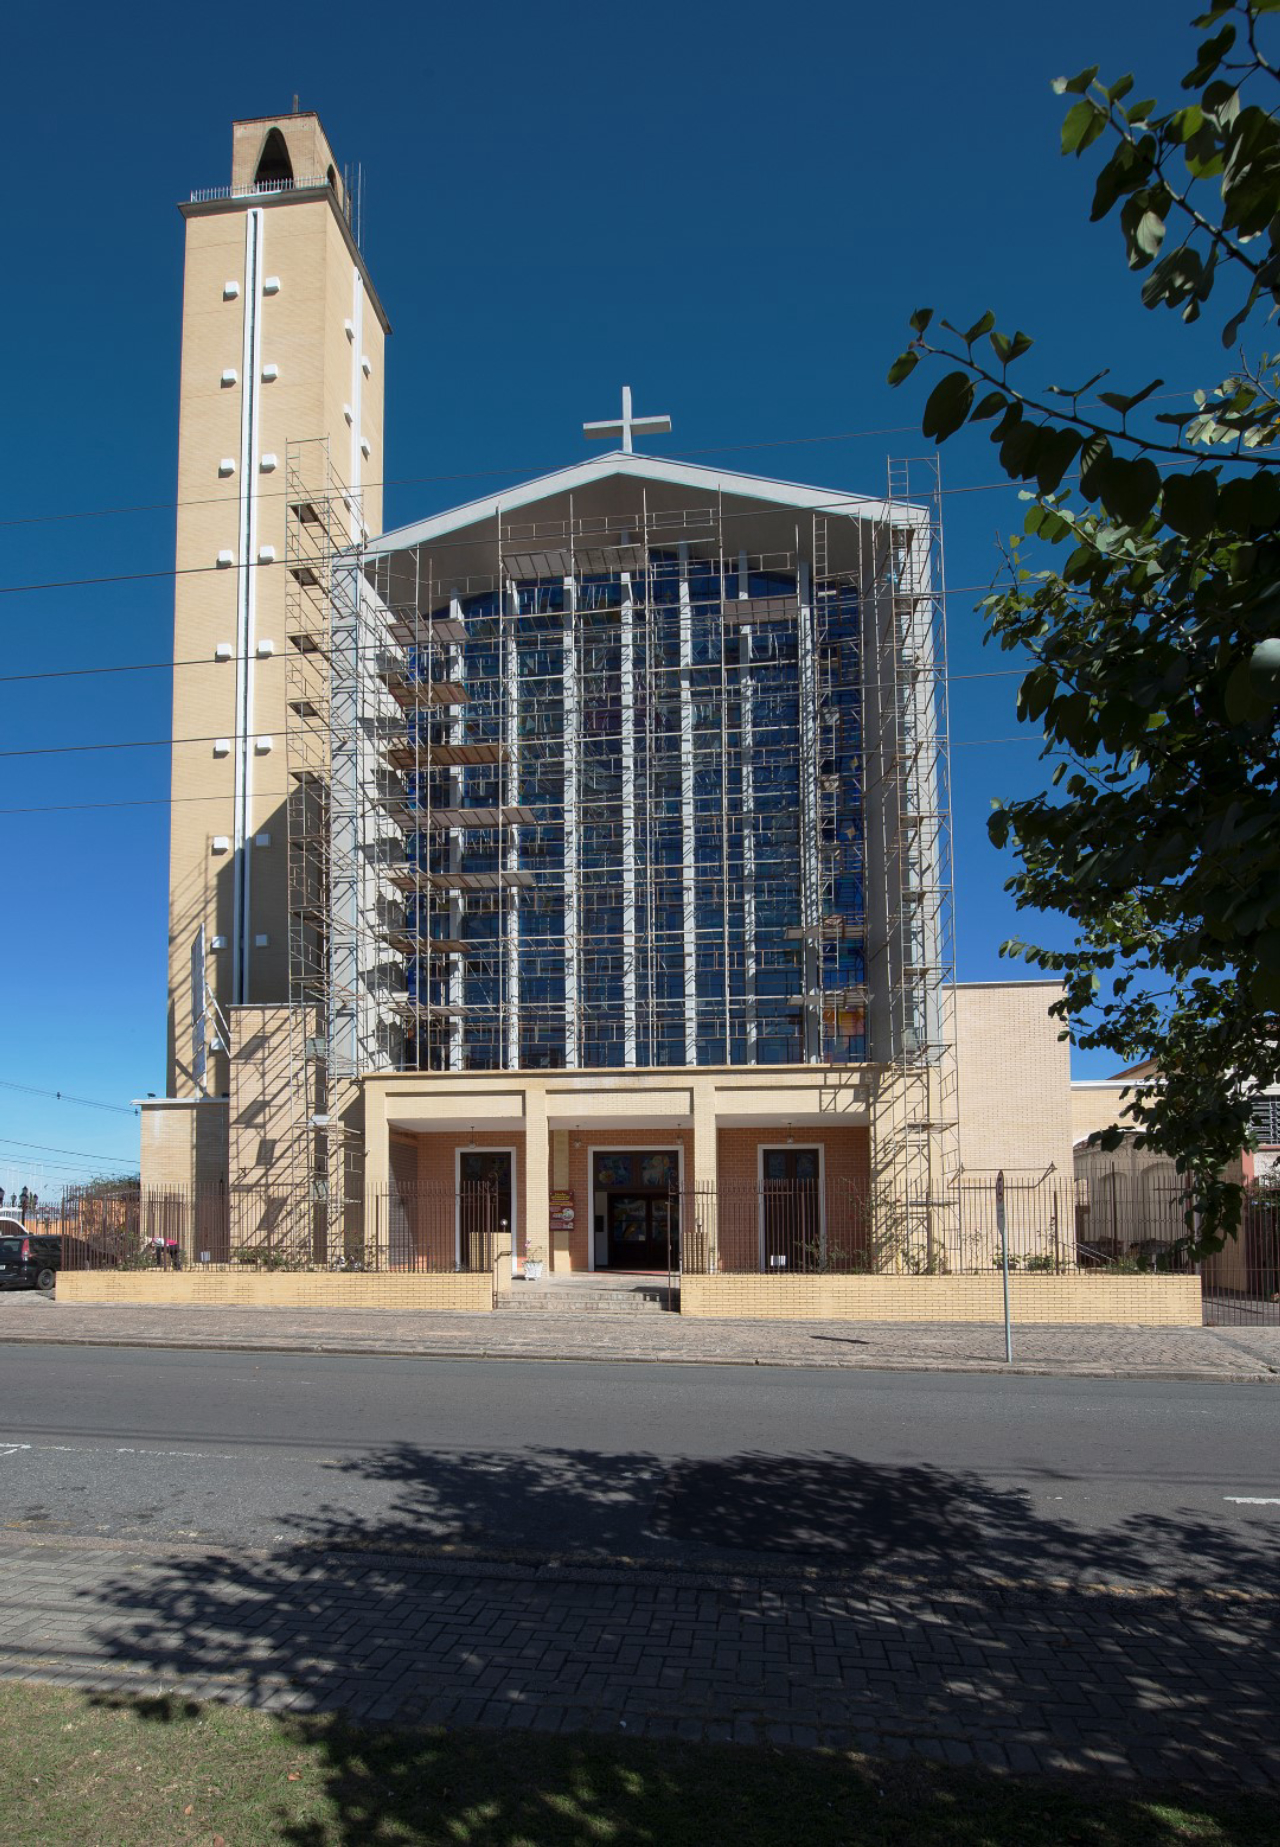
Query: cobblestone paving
(1224, 1353)
(1035, 1677)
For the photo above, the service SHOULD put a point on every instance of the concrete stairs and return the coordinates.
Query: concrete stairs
(591, 1294)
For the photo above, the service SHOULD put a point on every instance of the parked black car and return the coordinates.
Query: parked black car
(29, 1260)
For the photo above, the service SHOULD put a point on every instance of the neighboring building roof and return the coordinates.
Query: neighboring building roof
(643, 468)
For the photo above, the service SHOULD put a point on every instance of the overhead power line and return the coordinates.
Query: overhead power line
(834, 505)
(10, 1142)
(281, 795)
(64, 1096)
(532, 469)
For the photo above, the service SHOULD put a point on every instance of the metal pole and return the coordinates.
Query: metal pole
(1004, 1263)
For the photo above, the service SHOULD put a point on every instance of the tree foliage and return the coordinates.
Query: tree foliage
(1155, 629)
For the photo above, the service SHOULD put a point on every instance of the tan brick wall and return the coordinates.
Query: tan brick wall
(225, 1289)
(303, 335)
(182, 1146)
(846, 1165)
(1096, 1106)
(1135, 1301)
(1014, 1077)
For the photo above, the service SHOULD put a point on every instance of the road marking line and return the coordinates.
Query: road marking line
(77, 1449)
(1253, 1500)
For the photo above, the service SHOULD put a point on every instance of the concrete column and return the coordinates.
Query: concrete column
(377, 1170)
(704, 1175)
(537, 1173)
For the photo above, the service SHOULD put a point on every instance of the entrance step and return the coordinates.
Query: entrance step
(591, 1295)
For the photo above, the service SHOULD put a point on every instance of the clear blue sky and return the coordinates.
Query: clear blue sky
(733, 210)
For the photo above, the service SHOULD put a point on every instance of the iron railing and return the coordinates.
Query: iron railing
(396, 1228)
(256, 188)
(1054, 1225)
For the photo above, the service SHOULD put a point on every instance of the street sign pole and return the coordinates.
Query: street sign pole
(1004, 1264)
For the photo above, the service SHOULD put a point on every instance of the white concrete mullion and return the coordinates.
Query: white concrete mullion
(355, 473)
(628, 671)
(572, 723)
(456, 666)
(810, 869)
(246, 605)
(688, 890)
(512, 667)
(747, 700)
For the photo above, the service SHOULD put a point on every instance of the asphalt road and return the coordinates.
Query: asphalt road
(922, 1475)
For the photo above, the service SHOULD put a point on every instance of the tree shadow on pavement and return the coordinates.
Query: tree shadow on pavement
(894, 1608)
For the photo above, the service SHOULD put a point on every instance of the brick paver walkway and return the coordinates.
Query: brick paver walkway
(1232, 1353)
(1026, 1677)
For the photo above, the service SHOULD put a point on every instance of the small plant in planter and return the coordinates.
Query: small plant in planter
(533, 1262)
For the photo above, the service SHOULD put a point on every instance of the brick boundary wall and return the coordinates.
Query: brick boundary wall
(1138, 1301)
(464, 1294)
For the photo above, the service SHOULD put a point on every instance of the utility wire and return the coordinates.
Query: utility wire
(64, 1097)
(213, 737)
(836, 505)
(206, 660)
(533, 469)
(281, 795)
(9, 1141)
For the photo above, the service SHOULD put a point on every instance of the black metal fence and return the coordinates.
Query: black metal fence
(397, 1228)
(1242, 1281)
(1114, 1220)
(1055, 1225)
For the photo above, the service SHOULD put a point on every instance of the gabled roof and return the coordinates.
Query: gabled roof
(641, 468)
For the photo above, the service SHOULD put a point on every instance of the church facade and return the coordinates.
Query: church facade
(586, 844)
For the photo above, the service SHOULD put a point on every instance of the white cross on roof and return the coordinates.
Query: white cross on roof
(627, 426)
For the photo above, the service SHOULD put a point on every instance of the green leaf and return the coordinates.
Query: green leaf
(1077, 85)
(1189, 502)
(1128, 169)
(989, 406)
(1244, 697)
(1128, 489)
(984, 325)
(1081, 126)
(1210, 57)
(1054, 455)
(920, 319)
(948, 406)
(903, 366)
(1008, 347)
(1095, 453)
(1125, 402)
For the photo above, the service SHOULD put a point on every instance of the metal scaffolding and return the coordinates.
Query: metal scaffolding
(626, 763)
(659, 786)
(915, 1156)
(321, 1156)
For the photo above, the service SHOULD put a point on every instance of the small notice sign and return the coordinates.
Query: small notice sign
(562, 1213)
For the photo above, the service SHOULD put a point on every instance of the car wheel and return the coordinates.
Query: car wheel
(45, 1280)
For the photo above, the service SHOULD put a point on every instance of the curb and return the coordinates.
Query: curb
(1019, 1368)
(716, 1573)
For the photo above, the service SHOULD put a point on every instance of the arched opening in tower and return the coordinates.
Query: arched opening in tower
(274, 164)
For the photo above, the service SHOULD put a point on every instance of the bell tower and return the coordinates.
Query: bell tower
(282, 343)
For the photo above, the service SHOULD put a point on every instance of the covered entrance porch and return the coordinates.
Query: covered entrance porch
(600, 1173)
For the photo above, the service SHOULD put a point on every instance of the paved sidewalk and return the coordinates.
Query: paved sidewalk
(1031, 1677)
(1235, 1354)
